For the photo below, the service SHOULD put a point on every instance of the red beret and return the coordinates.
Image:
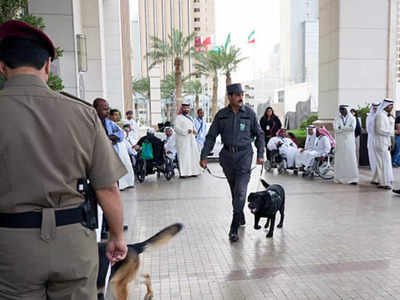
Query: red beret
(14, 28)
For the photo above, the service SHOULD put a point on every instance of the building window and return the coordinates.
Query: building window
(197, 9)
(197, 19)
(281, 96)
(197, 29)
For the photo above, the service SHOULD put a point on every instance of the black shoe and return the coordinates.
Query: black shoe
(233, 237)
(233, 232)
(125, 228)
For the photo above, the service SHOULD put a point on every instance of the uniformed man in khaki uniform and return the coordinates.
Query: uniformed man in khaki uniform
(47, 143)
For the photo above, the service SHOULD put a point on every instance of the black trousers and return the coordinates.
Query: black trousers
(236, 166)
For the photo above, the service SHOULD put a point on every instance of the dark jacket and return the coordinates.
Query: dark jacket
(271, 126)
(239, 130)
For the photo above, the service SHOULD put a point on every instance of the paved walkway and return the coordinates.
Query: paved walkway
(338, 242)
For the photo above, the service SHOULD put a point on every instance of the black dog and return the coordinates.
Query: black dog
(265, 204)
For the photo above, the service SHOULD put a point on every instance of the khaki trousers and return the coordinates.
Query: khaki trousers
(51, 263)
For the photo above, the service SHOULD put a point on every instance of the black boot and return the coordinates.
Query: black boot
(242, 221)
(233, 232)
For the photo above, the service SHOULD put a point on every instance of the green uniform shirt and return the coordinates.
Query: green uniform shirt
(47, 142)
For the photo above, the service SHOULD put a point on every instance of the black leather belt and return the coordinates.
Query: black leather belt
(235, 148)
(34, 219)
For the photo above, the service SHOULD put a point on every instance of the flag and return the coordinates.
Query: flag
(197, 41)
(250, 38)
(228, 40)
(217, 49)
(206, 42)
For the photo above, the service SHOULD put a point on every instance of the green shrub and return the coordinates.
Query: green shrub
(363, 113)
(55, 82)
(311, 119)
(300, 135)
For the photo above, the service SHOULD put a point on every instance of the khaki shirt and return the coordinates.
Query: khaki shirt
(47, 142)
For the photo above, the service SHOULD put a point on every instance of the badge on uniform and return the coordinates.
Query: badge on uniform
(242, 126)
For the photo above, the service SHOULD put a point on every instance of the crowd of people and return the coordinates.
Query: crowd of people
(185, 139)
(184, 142)
(380, 125)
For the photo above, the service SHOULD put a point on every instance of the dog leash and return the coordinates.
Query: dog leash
(224, 177)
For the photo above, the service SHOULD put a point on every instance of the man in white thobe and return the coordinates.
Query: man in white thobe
(287, 148)
(370, 124)
(346, 167)
(186, 145)
(320, 149)
(134, 126)
(170, 143)
(201, 128)
(384, 130)
(301, 157)
(128, 180)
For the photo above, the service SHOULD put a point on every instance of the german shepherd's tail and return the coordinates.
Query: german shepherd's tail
(159, 239)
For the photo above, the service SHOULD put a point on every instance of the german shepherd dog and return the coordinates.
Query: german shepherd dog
(123, 272)
(265, 204)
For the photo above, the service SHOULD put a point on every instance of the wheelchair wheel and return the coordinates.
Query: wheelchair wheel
(169, 174)
(268, 166)
(282, 167)
(140, 170)
(326, 170)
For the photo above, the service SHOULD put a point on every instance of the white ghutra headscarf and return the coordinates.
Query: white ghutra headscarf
(385, 103)
(348, 115)
(370, 122)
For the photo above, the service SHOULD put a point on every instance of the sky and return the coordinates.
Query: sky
(240, 17)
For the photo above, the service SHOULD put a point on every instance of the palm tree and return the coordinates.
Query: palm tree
(230, 58)
(194, 88)
(177, 47)
(168, 88)
(209, 64)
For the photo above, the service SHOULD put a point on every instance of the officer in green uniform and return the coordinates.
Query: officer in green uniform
(48, 143)
(238, 126)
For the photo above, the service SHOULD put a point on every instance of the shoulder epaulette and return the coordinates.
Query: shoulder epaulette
(75, 98)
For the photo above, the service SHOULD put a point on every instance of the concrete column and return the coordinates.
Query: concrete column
(59, 17)
(92, 26)
(113, 53)
(126, 55)
(354, 60)
(155, 95)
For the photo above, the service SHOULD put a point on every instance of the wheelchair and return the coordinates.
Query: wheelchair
(276, 161)
(324, 168)
(160, 164)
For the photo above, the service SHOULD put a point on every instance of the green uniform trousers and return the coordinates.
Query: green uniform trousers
(51, 263)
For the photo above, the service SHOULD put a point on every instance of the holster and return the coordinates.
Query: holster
(89, 207)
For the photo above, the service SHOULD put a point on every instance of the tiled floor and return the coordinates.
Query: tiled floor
(338, 242)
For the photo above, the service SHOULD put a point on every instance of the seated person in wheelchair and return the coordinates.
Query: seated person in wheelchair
(170, 143)
(287, 148)
(157, 146)
(320, 148)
